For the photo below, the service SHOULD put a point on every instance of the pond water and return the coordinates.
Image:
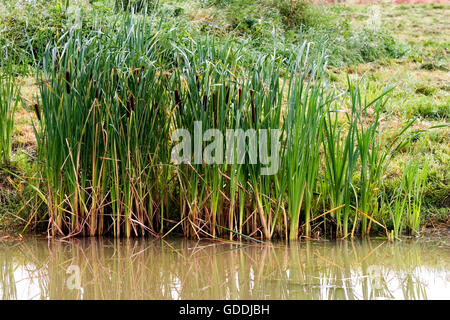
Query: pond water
(181, 269)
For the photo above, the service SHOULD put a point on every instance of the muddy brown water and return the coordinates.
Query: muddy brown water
(181, 269)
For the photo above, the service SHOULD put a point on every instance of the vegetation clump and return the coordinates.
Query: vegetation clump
(113, 91)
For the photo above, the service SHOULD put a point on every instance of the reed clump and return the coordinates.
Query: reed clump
(9, 101)
(109, 107)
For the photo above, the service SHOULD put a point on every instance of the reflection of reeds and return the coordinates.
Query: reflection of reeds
(128, 269)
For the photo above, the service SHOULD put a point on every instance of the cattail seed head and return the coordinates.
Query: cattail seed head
(197, 80)
(205, 102)
(214, 102)
(128, 108)
(165, 83)
(253, 106)
(253, 112)
(96, 89)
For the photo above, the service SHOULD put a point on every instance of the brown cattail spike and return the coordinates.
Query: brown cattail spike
(38, 113)
(68, 82)
(197, 78)
(133, 107)
(214, 106)
(166, 86)
(177, 98)
(96, 89)
(128, 108)
(205, 102)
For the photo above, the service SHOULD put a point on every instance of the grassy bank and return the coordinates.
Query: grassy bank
(103, 127)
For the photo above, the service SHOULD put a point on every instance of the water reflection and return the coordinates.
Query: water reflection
(178, 269)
